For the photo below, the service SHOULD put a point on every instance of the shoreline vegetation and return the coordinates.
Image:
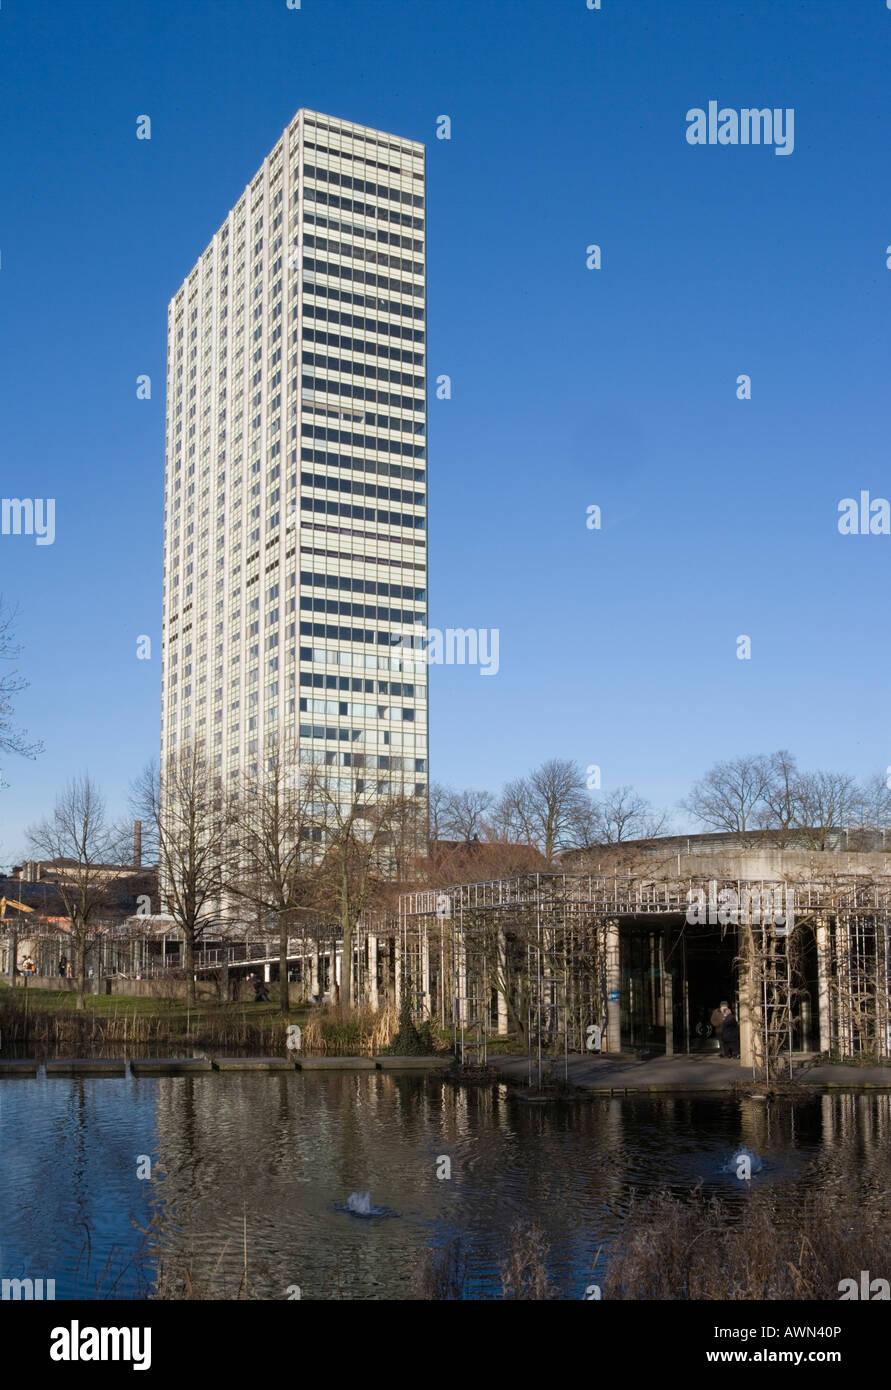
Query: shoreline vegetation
(693, 1247)
(48, 1024)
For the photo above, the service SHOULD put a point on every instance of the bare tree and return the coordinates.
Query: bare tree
(191, 818)
(275, 855)
(362, 824)
(626, 815)
(437, 799)
(12, 740)
(827, 801)
(541, 809)
(464, 813)
(731, 794)
(87, 851)
(780, 808)
(874, 802)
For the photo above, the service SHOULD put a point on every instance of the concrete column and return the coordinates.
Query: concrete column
(461, 982)
(502, 993)
(267, 971)
(822, 935)
(314, 971)
(425, 974)
(612, 1042)
(746, 1038)
(398, 970)
(665, 955)
(371, 976)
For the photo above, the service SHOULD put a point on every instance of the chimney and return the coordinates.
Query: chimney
(137, 844)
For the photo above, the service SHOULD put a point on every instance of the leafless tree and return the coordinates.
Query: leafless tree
(12, 740)
(541, 809)
(274, 862)
(191, 818)
(827, 801)
(87, 850)
(874, 803)
(464, 813)
(363, 823)
(437, 798)
(731, 794)
(780, 806)
(623, 814)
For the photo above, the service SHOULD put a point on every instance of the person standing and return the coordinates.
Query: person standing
(729, 1033)
(717, 1020)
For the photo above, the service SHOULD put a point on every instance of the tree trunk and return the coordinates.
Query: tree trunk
(346, 969)
(283, 991)
(189, 962)
(80, 951)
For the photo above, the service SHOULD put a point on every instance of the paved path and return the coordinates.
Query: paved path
(707, 1072)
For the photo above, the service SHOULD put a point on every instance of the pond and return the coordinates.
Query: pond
(218, 1186)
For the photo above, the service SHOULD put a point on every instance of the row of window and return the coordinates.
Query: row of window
(362, 158)
(352, 367)
(326, 482)
(362, 586)
(356, 711)
(362, 441)
(370, 661)
(378, 467)
(325, 386)
(347, 250)
(347, 555)
(346, 272)
(363, 345)
(345, 130)
(369, 611)
(374, 190)
(348, 634)
(366, 233)
(369, 210)
(357, 685)
(343, 509)
(360, 322)
(362, 301)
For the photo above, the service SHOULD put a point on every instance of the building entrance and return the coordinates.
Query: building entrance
(674, 975)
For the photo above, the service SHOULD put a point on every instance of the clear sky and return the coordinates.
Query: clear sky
(571, 387)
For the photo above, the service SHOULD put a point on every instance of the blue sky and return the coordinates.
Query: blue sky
(571, 387)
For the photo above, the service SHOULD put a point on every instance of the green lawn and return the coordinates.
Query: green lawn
(171, 1011)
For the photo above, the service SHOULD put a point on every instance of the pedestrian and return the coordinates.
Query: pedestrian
(729, 1033)
(63, 965)
(717, 1020)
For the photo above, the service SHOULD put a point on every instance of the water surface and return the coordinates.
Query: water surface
(250, 1175)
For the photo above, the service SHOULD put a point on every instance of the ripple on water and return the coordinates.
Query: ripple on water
(249, 1174)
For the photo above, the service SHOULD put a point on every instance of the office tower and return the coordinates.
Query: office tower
(295, 496)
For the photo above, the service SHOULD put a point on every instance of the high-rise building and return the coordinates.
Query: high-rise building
(295, 546)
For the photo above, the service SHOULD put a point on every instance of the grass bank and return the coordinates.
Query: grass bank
(47, 1023)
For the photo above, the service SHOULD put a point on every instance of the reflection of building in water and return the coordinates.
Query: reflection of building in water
(265, 1164)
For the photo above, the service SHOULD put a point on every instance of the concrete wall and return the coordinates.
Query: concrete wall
(751, 863)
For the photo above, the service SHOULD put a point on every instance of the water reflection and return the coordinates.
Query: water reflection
(251, 1172)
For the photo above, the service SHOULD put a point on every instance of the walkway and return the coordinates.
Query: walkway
(707, 1072)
